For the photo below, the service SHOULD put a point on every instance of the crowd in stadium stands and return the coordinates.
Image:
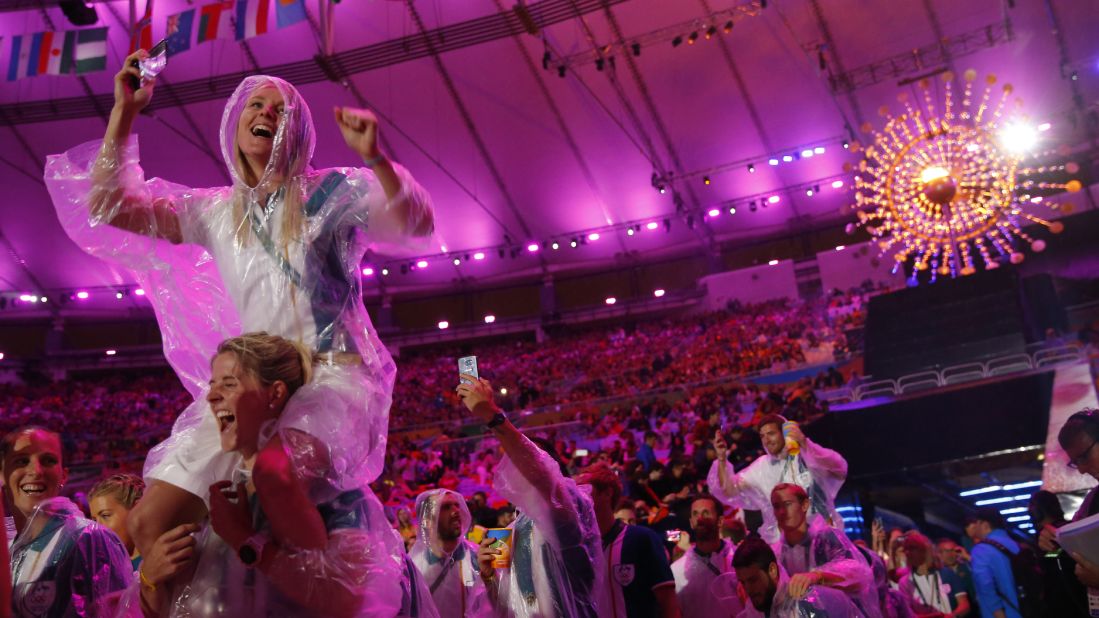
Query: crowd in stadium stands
(661, 405)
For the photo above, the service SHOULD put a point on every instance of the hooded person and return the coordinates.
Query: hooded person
(446, 561)
(814, 553)
(277, 251)
(767, 588)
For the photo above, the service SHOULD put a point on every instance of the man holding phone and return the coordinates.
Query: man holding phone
(555, 567)
(709, 558)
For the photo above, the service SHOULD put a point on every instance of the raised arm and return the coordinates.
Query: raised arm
(114, 199)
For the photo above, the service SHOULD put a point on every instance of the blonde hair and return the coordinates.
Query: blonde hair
(271, 359)
(126, 488)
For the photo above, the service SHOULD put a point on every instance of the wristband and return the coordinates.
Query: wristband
(145, 583)
(373, 162)
(497, 420)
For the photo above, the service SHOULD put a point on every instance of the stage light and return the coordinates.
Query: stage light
(706, 180)
(658, 293)
(714, 212)
(443, 325)
(533, 247)
(1025, 485)
(732, 210)
(846, 145)
(1, 356)
(611, 300)
(752, 168)
(652, 225)
(593, 236)
(728, 27)
(840, 247)
(772, 263)
(692, 38)
(421, 264)
(710, 32)
(368, 272)
(573, 243)
(933, 173)
(774, 199)
(111, 352)
(787, 158)
(479, 255)
(82, 295)
(809, 192)
(661, 189)
(28, 298)
(807, 153)
(457, 262)
(443, 248)
(385, 272)
(1018, 138)
(836, 184)
(1018, 518)
(1045, 126)
(118, 295)
(981, 490)
(772, 161)
(555, 245)
(629, 231)
(1014, 509)
(139, 292)
(489, 319)
(818, 150)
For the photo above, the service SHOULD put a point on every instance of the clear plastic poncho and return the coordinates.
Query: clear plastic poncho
(557, 564)
(695, 576)
(281, 257)
(453, 578)
(820, 471)
(819, 602)
(363, 566)
(827, 549)
(65, 565)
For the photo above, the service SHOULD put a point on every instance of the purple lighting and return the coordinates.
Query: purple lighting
(714, 212)
(139, 292)
(444, 325)
(368, 271)
(489, 319)
(111, 352)
(658, 293)
(611, 300)
(421, 264)
(82, 295)
(28, 298)
(593, 236)
(773, 199)
(478, 256)
(837, 184)
(652, 225)
(532, 247)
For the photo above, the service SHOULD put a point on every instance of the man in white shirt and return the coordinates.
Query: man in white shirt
(818, 470)
(709, 558)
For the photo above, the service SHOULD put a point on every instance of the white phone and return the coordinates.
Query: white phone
(467, 365)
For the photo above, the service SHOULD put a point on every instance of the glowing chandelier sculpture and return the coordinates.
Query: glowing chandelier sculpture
(945, 188)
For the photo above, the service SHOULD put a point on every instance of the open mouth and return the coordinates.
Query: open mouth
(225, 420)
(33, 489)
(264, 131)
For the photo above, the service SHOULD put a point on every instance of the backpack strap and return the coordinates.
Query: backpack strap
(1000, 546)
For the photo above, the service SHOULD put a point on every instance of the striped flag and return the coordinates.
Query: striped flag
(141, 34)
(42, 53)
(252, 18)
(179, 32)
(91, 50)
(213, 21)
(289, 12)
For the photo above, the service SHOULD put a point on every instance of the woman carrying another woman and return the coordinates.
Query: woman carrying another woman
(244, 566)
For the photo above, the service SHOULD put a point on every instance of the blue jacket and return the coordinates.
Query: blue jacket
(992, 576)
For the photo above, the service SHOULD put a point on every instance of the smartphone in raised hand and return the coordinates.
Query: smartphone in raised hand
(467, 365)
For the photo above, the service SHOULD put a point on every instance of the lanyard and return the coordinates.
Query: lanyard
(936, 590)
(706, 559)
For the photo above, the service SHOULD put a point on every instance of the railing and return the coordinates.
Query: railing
(1042, 356)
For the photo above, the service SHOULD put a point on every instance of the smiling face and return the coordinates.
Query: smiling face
(240, 405)
(259, 121)
(32, 469)
(109, 512)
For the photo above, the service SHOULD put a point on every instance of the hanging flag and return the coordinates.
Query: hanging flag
(141, 33)
(179, 32)
(90, 53)
(252, 18)
(289, 12)
(213, 21)
(20, 57)
(56, 56)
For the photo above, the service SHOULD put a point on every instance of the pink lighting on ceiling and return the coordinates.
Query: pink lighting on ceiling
(82, 295)
(139, 292)
(593, 236)
(652, 225)
(532, 247)
(421, 264)
(773, 199)
(714, 212)
(836, 184)
(479, 256)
